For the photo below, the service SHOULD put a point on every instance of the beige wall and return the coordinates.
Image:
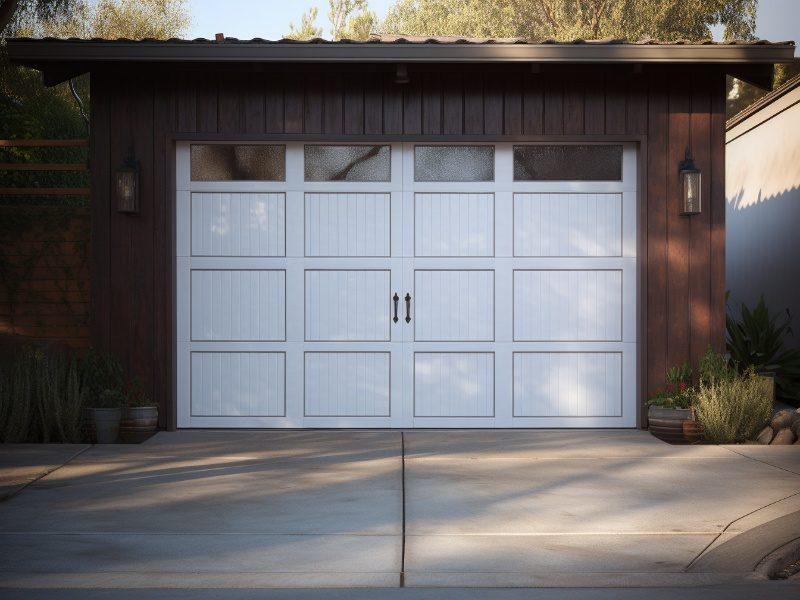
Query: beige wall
(763, 208)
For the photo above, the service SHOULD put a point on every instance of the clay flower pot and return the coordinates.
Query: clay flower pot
(673, 425)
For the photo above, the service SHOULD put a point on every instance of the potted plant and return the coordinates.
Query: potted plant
(106, 414)
(139, 415)
(670, 414)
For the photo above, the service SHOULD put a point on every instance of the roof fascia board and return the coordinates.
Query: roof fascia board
(37, 51)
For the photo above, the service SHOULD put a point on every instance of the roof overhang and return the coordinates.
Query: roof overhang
(60, 59)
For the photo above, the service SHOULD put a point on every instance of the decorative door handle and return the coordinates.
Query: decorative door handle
(408, 307)
(396, 299)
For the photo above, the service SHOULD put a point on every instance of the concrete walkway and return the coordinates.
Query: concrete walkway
(254, 509)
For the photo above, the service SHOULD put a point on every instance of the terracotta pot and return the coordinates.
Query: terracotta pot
(673, 425)
(138, 423)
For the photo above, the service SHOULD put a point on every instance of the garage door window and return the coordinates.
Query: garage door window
(347, 163)
(238, 162)
(454, 163)
(568, 163)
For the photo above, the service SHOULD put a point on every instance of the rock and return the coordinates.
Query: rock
(784, 437)
(766, 435)
(796, 428)
(783, 419)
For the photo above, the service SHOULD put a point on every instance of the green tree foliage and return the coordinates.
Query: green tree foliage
(566, 20)
(308, 28)
(741, 94)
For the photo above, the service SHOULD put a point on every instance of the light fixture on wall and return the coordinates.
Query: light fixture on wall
(126, 181)
(690, 184)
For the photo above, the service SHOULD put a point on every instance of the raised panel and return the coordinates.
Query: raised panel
(238, 224)
(238, 384)
(568, 224)
(453, 384)
(568, 305)
(347, 224)
(454, 224)
(567, 384)
(350, 305)
(347, 384)
(238, 305)
(454, 306)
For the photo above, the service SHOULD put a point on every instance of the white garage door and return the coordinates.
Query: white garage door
(406, 285)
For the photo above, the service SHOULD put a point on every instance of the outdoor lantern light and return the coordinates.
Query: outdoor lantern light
(690, 179)
(127, 185)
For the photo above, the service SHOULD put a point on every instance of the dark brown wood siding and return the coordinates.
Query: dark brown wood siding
(663, 108)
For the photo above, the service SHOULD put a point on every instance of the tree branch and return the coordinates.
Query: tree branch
(7, 10)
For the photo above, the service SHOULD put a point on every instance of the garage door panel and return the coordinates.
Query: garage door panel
(238, 224)
(568, 305)
(454, 384)
(347, 384)
(238, 305)
(560, 224)
(567, 384)
(236, 384)
(453, 225)
(347, 225)
(454, 305)
(347, 305)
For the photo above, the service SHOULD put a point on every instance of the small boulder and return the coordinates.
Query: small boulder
(784, 437)
(783, 419)
(796, 428)
(766, 435)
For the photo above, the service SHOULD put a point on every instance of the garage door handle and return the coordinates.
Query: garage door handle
(408, 308)
(396, 299)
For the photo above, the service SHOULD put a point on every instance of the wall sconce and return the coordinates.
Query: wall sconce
(690, 180)
(126, 179)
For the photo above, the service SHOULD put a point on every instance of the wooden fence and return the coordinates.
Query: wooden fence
(44, 272)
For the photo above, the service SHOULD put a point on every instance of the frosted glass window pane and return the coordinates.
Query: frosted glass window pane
(454, 163)
(567, 163)
(347, 163)
(238, 162)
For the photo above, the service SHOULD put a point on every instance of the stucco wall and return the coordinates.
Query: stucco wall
(763, 208)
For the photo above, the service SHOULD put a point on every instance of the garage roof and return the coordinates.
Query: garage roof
(57, 58)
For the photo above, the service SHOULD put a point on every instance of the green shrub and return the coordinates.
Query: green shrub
(41, 397)
(101, 372)
(732, 410)
(756, 339)
(716, 367)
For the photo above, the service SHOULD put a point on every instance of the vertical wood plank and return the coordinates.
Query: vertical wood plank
(186, 104)
(512, 106)
(229, 109)
(412, 104)
(657, 323)
(573, 105)
(493, 118)
(473, 104)
(333, 101)
(393, 104)
(637, 105)
(207, 101)
(453, 104)
(553, 105)
(594, 114)
(616, 102)
(99, 257)
(164, 120)
(677, 230)
(253, 108)
(431, 104)
(717, 211)
(700, 308)
(354, 105)
(373, 105)
(293, 106)
(533, 105)
(312, 106)
(273, 104)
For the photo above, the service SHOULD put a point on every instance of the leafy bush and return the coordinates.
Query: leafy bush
(101, 372)
(732, 410)
(757, 340)
(41, 397)
(716, 367)
(677, 392)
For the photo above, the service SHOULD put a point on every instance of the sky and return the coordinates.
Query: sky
(778, 20)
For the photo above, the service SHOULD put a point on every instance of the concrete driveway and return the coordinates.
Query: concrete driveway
(251, 509)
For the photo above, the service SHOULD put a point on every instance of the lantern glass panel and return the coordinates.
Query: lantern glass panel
(691, 192)
(127, 197)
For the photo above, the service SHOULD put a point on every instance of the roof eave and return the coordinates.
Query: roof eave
(27, 51)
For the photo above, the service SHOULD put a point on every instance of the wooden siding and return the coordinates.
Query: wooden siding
(665, 108)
